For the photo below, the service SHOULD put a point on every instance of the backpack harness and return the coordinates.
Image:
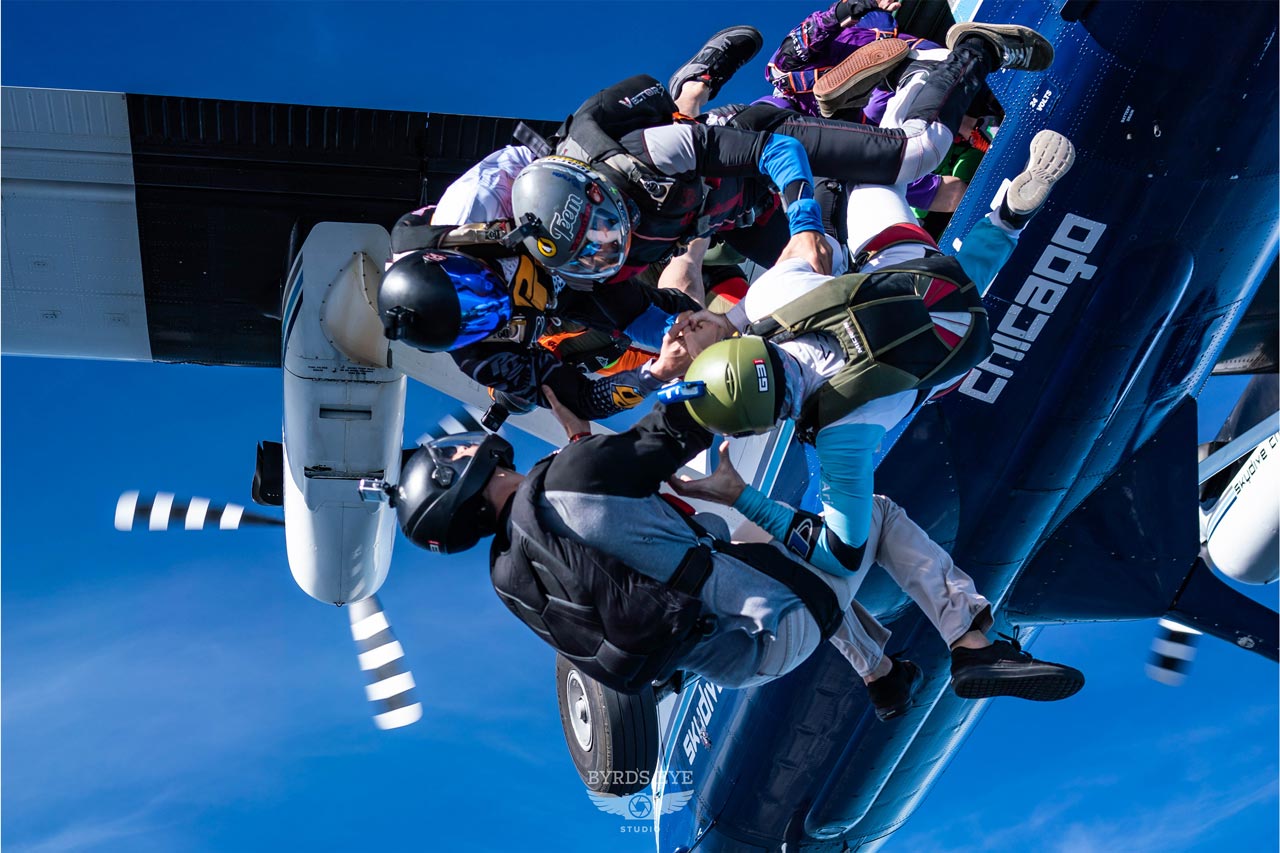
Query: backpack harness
(883, 324)
(621, 627)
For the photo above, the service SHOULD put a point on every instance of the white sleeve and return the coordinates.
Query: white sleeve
(483, 193)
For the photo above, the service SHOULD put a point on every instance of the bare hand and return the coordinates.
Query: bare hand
(573, 425)
(673, 360)
(811, 247)
(724, 486)
(699, 330)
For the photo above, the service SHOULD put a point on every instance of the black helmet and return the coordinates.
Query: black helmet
(439, 500)
(438, 301)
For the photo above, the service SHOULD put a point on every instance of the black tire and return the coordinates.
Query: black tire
(621, 731)
(268, 474)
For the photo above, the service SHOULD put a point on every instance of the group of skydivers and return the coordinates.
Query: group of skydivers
(536, 272)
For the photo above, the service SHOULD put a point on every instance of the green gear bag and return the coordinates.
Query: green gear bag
(882, 323)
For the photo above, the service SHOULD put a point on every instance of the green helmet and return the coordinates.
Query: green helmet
(743, 387)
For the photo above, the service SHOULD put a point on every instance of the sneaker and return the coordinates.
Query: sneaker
(893, 693)
(1052, 156)
(1019, 48)
(1004, 669)
(857, 74)
(719, 59)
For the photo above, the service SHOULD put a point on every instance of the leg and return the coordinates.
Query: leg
(979, 668)
(874, 207)
(861, 639)
(693, 97)
(712, 66)
(988, 246)
(924, 115)
(926, 572)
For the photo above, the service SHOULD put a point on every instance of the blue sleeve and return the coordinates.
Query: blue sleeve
(846, 453)
(784, 161)
(780, 521)
(984, 251)
(647, 329)
(773, 516)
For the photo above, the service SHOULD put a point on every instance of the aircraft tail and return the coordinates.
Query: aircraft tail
(1208, 604)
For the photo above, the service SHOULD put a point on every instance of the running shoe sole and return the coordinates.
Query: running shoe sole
(858, 73)
(1041, 56)
(1039, 683)
(1052, 156)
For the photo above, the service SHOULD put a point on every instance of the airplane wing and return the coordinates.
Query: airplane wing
(149, 228)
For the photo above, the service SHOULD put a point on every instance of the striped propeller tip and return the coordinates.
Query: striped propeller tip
(1172, 651)
(390, 686)
(162, 511)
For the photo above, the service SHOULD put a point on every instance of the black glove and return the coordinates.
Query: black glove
(848, 12)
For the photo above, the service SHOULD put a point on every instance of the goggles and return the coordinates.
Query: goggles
(451, 455)
(483, 303)
(603, 248)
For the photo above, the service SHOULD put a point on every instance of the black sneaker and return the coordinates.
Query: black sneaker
(719, 59)
(892, 694)
(1004, 669)
(1019, 48)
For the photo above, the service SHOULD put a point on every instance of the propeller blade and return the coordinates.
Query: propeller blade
(162, 511)
(1172, 651)
(391, 686)
(460, 420)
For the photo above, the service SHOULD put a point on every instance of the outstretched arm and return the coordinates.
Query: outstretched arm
(521, 373)
(833, 542)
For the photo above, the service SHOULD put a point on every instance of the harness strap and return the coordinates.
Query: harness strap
(531, 139)
(816, 596)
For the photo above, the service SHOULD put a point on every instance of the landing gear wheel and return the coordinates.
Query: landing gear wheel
(268, 474)
(612, 737)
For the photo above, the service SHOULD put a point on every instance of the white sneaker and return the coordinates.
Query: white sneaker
(1052, 156)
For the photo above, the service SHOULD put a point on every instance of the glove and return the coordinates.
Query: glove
(848, 12)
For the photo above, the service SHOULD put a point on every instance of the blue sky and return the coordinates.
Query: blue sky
(179, 693)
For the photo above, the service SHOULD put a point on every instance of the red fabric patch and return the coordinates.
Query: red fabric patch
(903, 232)
(731, 290)
(937, 290)
(950, 338)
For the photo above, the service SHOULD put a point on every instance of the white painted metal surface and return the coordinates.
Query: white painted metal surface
(1241, 530)
(342, 421)
(72, 274)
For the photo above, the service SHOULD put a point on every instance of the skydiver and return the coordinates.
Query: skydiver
(513, 327)
(628, 583)
(810, 73)
(823, 364)
(654, 201)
